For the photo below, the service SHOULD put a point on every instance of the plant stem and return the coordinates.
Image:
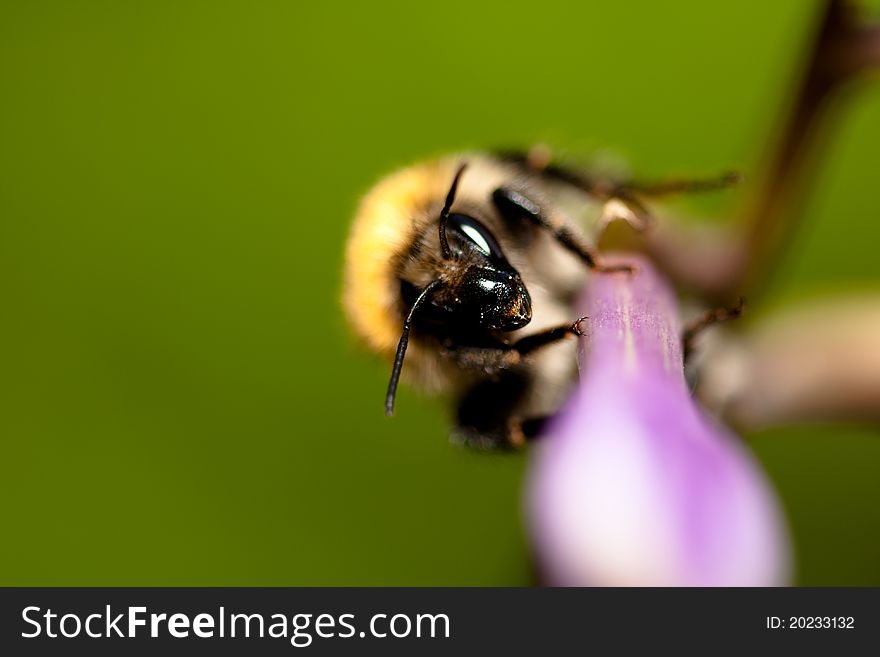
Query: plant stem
(733, 261)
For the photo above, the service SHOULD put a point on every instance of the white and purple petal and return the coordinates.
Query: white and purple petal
(633, 484)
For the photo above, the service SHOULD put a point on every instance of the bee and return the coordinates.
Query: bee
(462, 272)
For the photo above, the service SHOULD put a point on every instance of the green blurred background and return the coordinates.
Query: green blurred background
(180, 401)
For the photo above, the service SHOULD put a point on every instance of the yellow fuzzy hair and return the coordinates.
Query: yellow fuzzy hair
(382, 231)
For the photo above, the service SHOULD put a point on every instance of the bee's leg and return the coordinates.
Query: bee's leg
(485, 359)
(490, 413)
(533, 427)
(697, 326)
(487, 415)
(682, 185)
(516, 207)
(533, 342)
(539, 160)
(505, 357)
(622, 200)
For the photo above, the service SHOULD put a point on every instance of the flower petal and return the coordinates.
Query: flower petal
(633, 485)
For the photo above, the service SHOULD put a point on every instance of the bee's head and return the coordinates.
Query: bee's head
(479, 289)
(476, 287)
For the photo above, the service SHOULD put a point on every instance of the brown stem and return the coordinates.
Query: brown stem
(731, 262)
(774, 212)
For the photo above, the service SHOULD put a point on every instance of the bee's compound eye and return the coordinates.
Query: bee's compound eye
(473, 235)
(477, 238)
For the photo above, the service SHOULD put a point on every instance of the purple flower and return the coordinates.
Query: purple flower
(633, 484)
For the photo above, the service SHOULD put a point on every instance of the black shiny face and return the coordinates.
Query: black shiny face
(481, 290)
(476, 291)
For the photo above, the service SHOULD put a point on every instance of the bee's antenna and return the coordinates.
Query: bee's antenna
(444, 213)
(404, 339)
